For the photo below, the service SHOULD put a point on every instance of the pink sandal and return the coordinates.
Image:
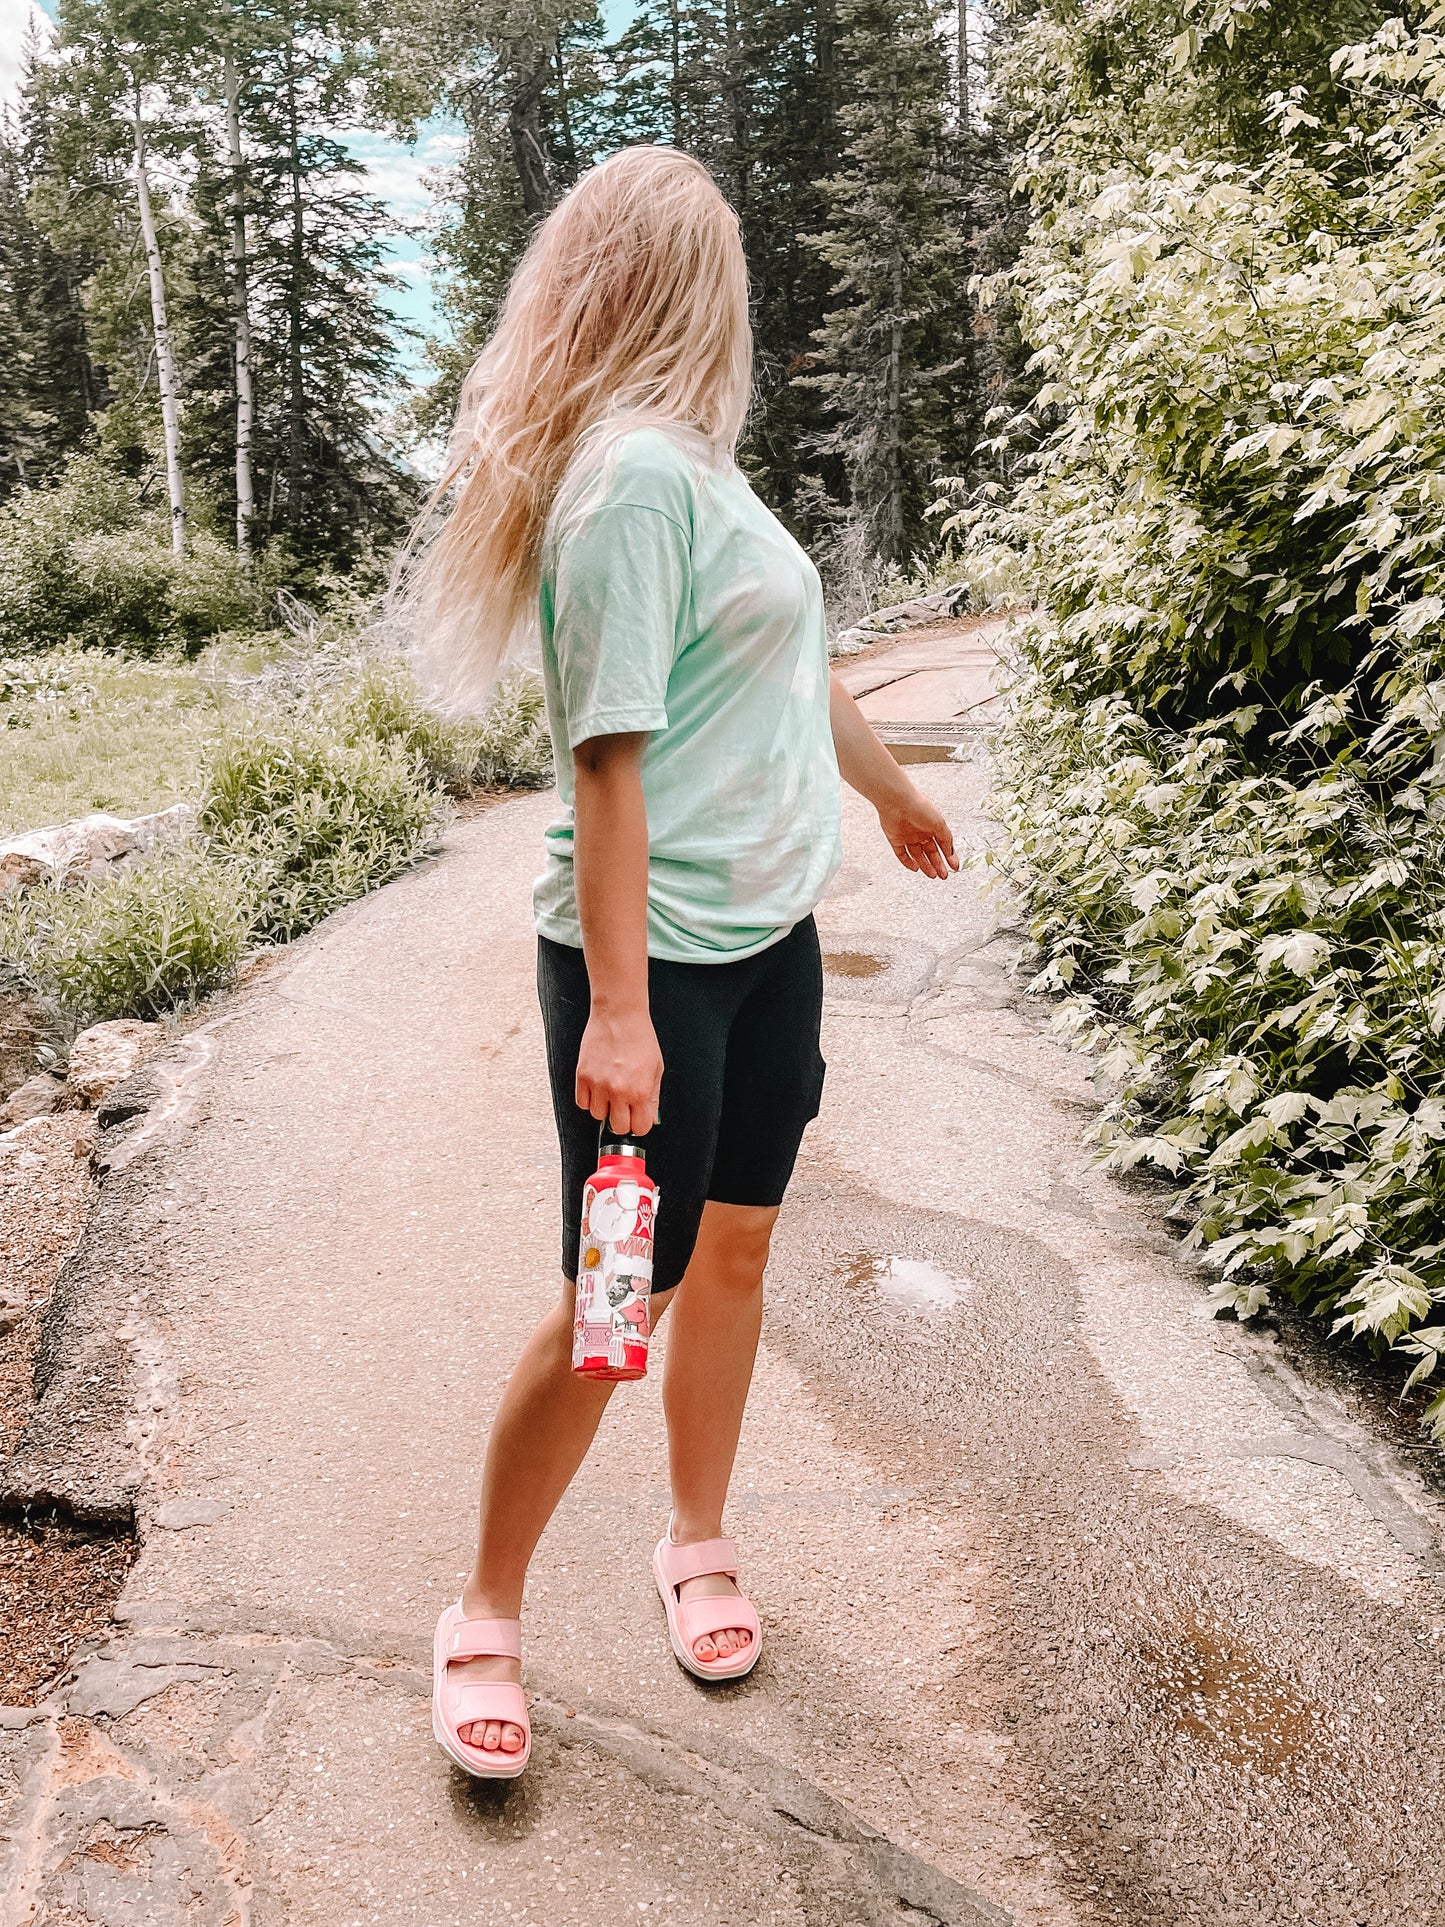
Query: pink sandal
(456, 1703)
(691, 1619)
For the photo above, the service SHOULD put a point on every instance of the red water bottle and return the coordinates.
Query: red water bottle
(614, 1265)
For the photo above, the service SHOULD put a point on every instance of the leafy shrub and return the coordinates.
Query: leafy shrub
(1244, 368)
(88, 564)
(135, 944)
(313, 821)
(508, 748)
(1223, 777)
(328, 786)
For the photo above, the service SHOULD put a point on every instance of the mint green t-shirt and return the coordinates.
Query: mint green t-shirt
(673, 601)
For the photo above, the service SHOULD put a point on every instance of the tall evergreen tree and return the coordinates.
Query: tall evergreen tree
(894, 370)
(324, 343)
(526, 82)
(793, 144)
(48, 384)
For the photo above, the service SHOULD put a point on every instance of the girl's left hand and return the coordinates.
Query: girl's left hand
(919, 833)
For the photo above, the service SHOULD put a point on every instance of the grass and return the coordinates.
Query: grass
(99, 732)
(318, 773)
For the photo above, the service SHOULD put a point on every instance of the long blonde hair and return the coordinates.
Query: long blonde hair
(630, 305)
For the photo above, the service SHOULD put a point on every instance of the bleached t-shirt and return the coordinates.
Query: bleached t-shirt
(673, 601)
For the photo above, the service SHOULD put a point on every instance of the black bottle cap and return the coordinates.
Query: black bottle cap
(614, 1146)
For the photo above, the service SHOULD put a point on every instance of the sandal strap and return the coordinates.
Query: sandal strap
(699, 1617)
(486, 1699)
(707, 1557)
(483, 1639)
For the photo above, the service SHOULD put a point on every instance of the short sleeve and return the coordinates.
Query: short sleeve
(621, 593)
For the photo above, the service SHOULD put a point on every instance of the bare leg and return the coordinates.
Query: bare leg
(544, 1426)
(711, 1348)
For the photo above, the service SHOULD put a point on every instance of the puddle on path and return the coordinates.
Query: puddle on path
(1224, 1697)
(912, 1283)
(853, 963)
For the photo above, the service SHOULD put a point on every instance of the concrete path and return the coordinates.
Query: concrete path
(1078, 1608)
(946, 672)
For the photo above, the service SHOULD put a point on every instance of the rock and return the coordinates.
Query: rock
(116, 1687)
(37, 1097)
(900, 615)
(101, 1056)
(132, 1097)
(89, 846)
(12, 1310)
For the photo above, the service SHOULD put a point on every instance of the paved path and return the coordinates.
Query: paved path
(1078, 1608)
(946, 672)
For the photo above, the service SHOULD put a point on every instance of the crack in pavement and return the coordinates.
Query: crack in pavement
(859, 1866)
(852, 1865)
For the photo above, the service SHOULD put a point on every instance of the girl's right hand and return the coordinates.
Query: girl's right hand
(619, 1071)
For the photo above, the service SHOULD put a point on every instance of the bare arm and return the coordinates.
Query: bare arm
(915, 827)
(619, 1068)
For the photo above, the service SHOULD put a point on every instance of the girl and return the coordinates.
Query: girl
(699, 741)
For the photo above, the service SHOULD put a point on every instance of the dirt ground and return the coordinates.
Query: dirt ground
(57, 1583)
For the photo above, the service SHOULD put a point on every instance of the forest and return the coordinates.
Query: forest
(197, 346)
(1128, 316)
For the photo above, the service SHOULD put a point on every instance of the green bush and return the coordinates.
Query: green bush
(508, 748)
(88, 564)
(1223, 777)
(1246, 473)
(330, 785)
(313, 821)
(136, 944)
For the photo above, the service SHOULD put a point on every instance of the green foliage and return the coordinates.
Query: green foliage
(893, 346)
(88, 564)
(1222, 779)
(1259, 962)
(1246, 368)
(136, 944)
(508, 748)
(99, 731)
(322, 778)
(47, 382)
(313, 821)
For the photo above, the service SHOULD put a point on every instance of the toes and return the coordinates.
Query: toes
(725, 1643)
(512, 1738)
(492, 1736)
(704, 1648)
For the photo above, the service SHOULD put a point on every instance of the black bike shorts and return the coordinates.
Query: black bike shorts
(742, 1078)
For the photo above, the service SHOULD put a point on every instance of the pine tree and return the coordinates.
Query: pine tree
(324, 348)
(894, 372)
(526, 81)
(48, 384)
(793, 143)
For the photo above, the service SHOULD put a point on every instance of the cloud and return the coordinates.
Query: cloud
(397, 171)
(15, 17)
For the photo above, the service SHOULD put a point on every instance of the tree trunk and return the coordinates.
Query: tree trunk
(240, 313)
(737, 112)
(524, 129)
(892, 545)
(674, 86)
(165, 360)
(963, 65)
(295, 310)
(564, 113)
